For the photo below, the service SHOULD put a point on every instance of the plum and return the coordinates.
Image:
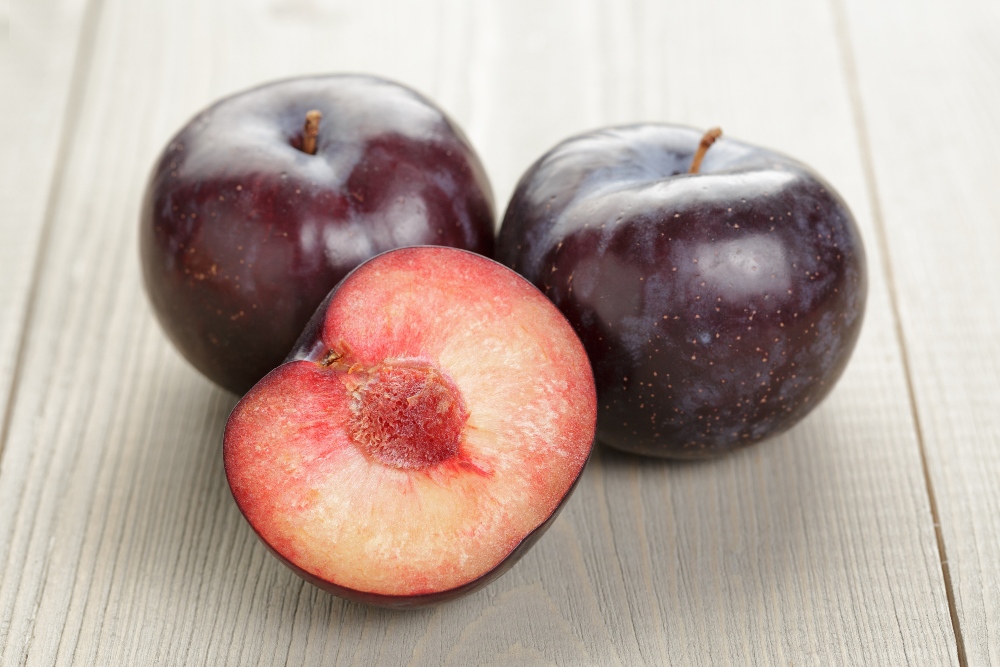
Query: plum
(718, 300)
(427, 427)
(266, 199)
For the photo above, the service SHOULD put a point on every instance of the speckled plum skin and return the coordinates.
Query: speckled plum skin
(243, 234)
(718, 308)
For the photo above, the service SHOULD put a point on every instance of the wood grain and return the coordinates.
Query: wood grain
(36, 71)
(931, 104)
(118, 538)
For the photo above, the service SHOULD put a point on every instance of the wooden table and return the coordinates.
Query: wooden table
(868, 535)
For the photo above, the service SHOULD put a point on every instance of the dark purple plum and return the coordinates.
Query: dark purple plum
(717, 308)
(252, 213)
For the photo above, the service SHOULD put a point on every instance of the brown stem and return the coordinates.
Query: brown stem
(310, 131)
(706, 142)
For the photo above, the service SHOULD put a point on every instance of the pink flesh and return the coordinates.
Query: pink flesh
(410, 522)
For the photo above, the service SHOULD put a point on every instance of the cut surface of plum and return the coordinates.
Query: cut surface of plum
(434, 416)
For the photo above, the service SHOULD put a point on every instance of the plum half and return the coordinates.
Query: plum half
(426, 429)
(267, 199)
(719, 288)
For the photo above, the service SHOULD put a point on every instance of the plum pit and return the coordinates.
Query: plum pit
(407, 416)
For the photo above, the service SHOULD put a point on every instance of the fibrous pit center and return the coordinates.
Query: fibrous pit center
(406, 415)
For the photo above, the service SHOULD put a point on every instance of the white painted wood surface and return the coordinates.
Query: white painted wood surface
(36, 72)
(931, 102)
(119, 542)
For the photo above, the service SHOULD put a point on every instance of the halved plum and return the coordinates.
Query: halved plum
(427, 428)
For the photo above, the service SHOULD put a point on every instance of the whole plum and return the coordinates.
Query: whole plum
(717, 307)
(267, 199)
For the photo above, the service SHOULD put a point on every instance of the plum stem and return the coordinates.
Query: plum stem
(706, 142)
(331, 358)
(310, 131)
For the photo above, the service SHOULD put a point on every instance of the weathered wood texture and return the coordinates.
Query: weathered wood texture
(929, 81)
(36, 67)
(119, 543)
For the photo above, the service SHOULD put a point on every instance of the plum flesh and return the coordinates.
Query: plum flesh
(717, 308)
(424, 432)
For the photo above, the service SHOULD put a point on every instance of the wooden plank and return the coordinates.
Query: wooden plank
(930, 104)
(36, 70)
(39, 43)
(120, 543)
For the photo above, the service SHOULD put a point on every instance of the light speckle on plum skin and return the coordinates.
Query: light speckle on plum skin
(716, 398)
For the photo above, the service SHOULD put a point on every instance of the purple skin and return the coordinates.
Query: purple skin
(717, 309)
(243, 233)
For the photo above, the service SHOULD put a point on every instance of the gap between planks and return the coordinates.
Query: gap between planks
(849, 65)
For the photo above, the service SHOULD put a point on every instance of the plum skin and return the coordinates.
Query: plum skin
(243, 234)
(717, 309)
